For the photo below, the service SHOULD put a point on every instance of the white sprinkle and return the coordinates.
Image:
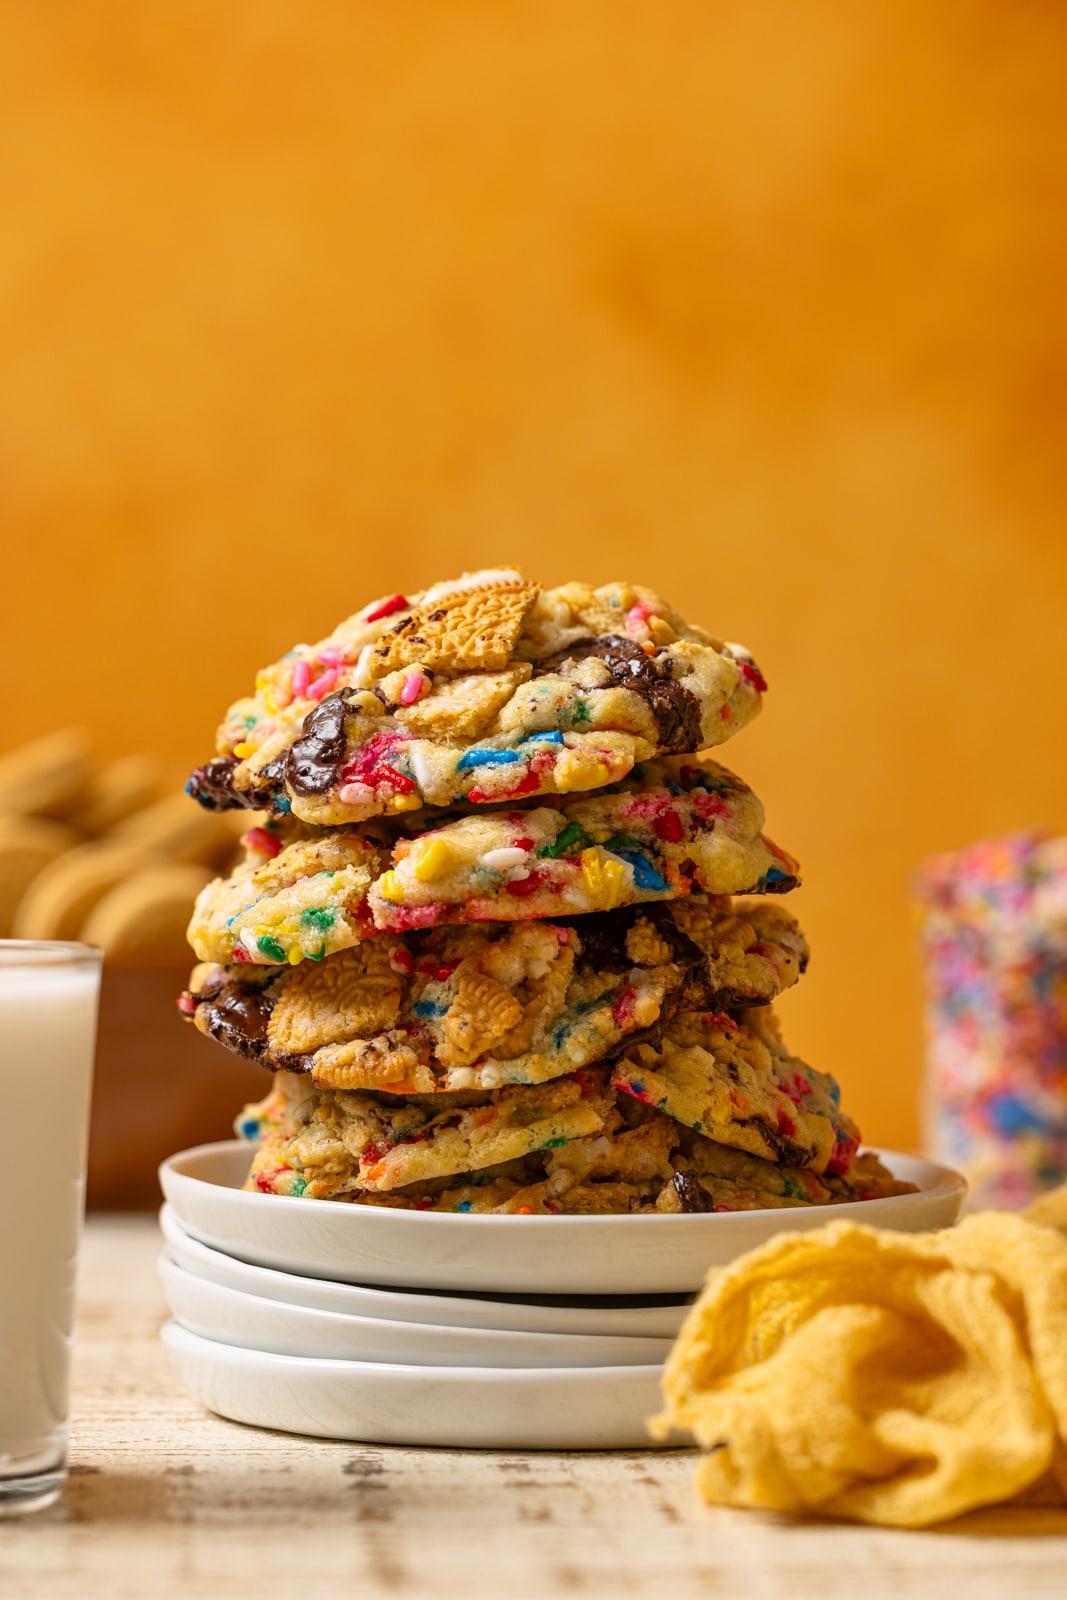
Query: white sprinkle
(504, 859)
(360, 676)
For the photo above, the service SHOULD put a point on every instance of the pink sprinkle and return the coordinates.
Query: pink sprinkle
(415, 686)
(260, 839)
(637, 616)
(332, 658)
(387, 608)
(301, 679)
(563, 935)
(323, 685)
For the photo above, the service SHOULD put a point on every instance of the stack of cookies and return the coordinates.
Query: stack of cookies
(485, 935)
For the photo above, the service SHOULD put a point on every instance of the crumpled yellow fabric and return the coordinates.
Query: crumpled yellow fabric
(893, 1378)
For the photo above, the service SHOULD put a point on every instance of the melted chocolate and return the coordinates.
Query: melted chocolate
(675, 709)
(237, 1017)
(690, 1193)
(212, 787)
(314, 762)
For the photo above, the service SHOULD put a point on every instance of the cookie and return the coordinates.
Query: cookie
(674, 827)
(639, 1161)
(49, 774)
(27, 846)
(325, 1143)
(483, 690)
(304, 901)
(143, 917)
(474, 1008)
(174, 830)
(733, 1080)
(61, 897)
(125, 786)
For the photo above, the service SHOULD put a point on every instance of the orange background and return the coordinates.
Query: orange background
(759, 304)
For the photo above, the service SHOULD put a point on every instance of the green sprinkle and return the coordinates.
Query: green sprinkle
(250, 722)
(300, 1183)
(316, 917)
(552, 1144)
(698, 1127)
(623, 841)
(572, 836)
(579, 713)
(270, 947)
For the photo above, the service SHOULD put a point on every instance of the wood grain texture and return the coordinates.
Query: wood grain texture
(167, 1501)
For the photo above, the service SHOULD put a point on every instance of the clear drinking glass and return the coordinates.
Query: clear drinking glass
(48, 1004)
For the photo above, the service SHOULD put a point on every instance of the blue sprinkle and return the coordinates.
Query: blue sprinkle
(282, 803)
(544, 738)
(487, 758)
(464, 1205)
(250, 1128)
(773, 875)
(428, 1008)
(645, 874)
(1013, 1116)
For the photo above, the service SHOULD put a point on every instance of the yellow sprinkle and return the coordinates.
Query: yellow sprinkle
(404, 802)
(296, 955)
(262, 679)
(614, 881)
(389, 887)
(434, 860)
(605, 880)
(592, 872)
(270, 701)
(244, 750)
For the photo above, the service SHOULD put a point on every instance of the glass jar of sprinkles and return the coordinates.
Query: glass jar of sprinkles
(994, 939)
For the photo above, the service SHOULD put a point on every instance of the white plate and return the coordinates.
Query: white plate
(232, 1317)
(664, 1254)
(566, 1408)
(659, 1318)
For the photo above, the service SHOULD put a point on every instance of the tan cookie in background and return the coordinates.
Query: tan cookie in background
(27, 846)
(176, 831)
(122, 788)
(59, 900)
(49, 774)
(143, 918)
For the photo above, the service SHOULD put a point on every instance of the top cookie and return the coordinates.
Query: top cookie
(483, 689)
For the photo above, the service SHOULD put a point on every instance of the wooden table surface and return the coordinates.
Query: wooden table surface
(166, 1500)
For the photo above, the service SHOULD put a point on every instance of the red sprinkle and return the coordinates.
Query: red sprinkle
(528, 786)
(786, 1126)
(397, 780)
(260, 839)
(752, 674)
(721, 1020)
(443, 973)
(521, 887)
(668, 827)
(185, 1003)
(396, 602)
(623, 1009)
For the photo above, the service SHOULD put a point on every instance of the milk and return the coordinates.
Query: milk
(48, 998)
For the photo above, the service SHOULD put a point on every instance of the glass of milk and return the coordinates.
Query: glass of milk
(48, 1000)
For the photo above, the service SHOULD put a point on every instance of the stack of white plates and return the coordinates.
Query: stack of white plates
(428, 1328)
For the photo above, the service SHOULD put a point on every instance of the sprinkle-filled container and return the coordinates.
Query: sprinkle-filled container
(994, 935)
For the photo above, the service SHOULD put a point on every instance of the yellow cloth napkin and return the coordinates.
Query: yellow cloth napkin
(890, 1377)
